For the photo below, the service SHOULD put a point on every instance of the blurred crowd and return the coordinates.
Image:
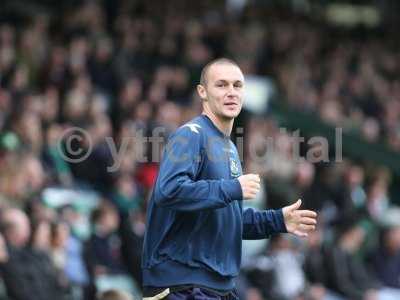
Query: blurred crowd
(71, 228)
(349, 79)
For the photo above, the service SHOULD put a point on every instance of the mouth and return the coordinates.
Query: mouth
(231, 104)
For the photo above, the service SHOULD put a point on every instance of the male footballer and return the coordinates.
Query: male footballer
(195, 219)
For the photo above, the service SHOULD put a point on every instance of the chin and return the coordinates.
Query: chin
(231, 114)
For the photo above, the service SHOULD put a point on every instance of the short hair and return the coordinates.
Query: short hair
(101, 210)
(114, 294)
(222, 60)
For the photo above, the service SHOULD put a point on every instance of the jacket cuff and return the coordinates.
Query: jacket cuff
(280, 221)
(233, 189)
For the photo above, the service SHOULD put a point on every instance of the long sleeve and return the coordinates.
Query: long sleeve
(177, 187)
(261, 224)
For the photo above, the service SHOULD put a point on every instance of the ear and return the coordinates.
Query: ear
(201, 90)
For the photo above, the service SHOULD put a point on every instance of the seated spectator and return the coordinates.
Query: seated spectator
(386, 260)
(74, 267)
(353, 186)
(40, 237)
(289, 277)
(59, 238)
(277, 273)
(376, 210)
(347, 275)
(104, 254)
(26, 272)
(66, 253)
(314, 268)
(104, 244)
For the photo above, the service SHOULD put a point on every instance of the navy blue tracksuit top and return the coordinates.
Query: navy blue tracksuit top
(195, 220)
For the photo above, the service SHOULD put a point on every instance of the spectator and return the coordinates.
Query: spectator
(386, 260)
(288, 274)
(103, 248)
(26, 272)
(315, 268)
(346, 274)
(104, 251)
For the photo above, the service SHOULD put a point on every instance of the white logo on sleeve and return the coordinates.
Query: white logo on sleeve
(193, 127)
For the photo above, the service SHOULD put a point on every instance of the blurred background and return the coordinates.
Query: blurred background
(72, 229)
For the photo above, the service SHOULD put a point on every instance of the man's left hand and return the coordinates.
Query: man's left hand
(299, 222)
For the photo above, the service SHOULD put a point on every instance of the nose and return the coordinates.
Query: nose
(232, 92)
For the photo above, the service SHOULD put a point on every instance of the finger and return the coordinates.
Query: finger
(254, 185)
(253, 191)
(308, 221)
(248, 194)
(300, 233)
(307, 228)
(295, 205)
(255, 177)
(308, 213)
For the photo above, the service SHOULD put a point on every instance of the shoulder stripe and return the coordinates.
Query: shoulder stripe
(193, 127)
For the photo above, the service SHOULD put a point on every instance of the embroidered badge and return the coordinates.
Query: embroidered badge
(235, 170)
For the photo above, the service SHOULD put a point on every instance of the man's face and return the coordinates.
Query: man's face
(223, 91)
(19, 232)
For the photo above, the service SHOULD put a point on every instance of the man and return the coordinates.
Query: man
(195, 219)
(27, 274)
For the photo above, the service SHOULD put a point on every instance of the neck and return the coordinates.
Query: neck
(224, 125)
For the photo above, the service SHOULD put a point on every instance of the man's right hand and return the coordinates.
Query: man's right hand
(250, 184)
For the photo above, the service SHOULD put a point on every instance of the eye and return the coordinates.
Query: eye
(221, 84)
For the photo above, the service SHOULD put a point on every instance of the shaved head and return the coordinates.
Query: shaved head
(221, 89)
(16, 227)
(218, 61)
